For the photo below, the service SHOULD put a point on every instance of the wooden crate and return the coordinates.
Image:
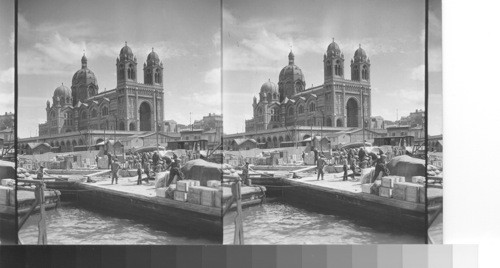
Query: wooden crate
(388, 181)
(399, 193)
(8, 182)
(385, 192)
(208, 196)
(180, 196)
(194, 198)
(218, 198)
(213, 183)
(418, 179)
(183, 186)
(161, 192)
(413, 192)
(422, 195)
(5, 193)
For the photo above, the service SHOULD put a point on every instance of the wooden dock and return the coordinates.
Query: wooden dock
(141, 201)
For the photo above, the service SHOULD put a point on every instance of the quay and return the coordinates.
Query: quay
(128, 198)
(334, 195)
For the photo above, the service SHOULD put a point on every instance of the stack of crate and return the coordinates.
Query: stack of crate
(209, 195)
(183, 188)
(411, 192)
(386, 190)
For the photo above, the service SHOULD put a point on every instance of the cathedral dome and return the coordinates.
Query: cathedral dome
(269, 87)
(291, 70)
(62, 92)
(360, 54)
(84, 76)
(126, 52)
(333, 49)
(153, 58)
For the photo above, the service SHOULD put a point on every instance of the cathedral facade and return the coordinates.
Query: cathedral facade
(131, 106)
(338, 102)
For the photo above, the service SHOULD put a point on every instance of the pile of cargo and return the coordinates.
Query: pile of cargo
(396, 187)
(23, 174)
(433, 171)
(191, 191)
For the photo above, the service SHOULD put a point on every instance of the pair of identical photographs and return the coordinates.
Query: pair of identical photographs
(234, 122)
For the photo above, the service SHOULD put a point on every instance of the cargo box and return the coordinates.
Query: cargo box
(413, 192)
(418, 179)
(388, 181)
(180, 196)
(208, 197)
(366, 188)
(213, 183)
(385, 192)
(399, 193)
(194, 198)
(183, 186)
(400, 185)
(218, 198)
(422, 196)
(161, 192)
(5, 193)
(8, 182)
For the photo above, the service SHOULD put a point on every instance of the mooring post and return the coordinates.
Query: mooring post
(238, 219)
(42, 227)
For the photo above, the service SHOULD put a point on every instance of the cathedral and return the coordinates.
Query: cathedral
(338, 102)
(131, 106)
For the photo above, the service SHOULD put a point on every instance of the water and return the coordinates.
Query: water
(281, 223)
(72, 224)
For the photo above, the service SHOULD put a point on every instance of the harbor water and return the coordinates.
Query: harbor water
(282, 223)
(76, 225)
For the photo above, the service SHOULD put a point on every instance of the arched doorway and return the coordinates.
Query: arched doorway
(328, 122)
(121, 126)
(352, 113)
(131, 127)
(339, 123)
(145, 117)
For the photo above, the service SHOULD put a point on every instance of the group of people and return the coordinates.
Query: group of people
(351, 159)
(147, 163)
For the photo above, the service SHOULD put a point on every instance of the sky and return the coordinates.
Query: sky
(257, 36)
(435, 105)
(6, 56)
(54, 33)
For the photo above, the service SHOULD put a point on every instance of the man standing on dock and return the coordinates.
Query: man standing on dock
(139, 173)
(175, 169)
(320, 165)
(114, 171)
(380, 167)
(245, 172)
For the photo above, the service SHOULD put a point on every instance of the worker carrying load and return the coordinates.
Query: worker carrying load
(175, 169)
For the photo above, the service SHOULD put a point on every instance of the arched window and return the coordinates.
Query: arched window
(274, 96)
(84, 115)
(259, 111)
(338, 70)
(132, 71)
(269, 97)
(329, 68)
(290, 111)
(94, 113)
(301, 109)
(312, 107)
(104, 111)
(129, 73)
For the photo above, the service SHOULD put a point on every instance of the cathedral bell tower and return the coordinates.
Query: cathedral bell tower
(153, 69)
(126, 65)
(360, 66)
(333, 61)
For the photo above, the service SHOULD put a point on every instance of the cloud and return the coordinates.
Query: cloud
(259, 44)
(7, 101)
(7, 76)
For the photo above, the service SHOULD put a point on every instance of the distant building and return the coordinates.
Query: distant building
(398, 131)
